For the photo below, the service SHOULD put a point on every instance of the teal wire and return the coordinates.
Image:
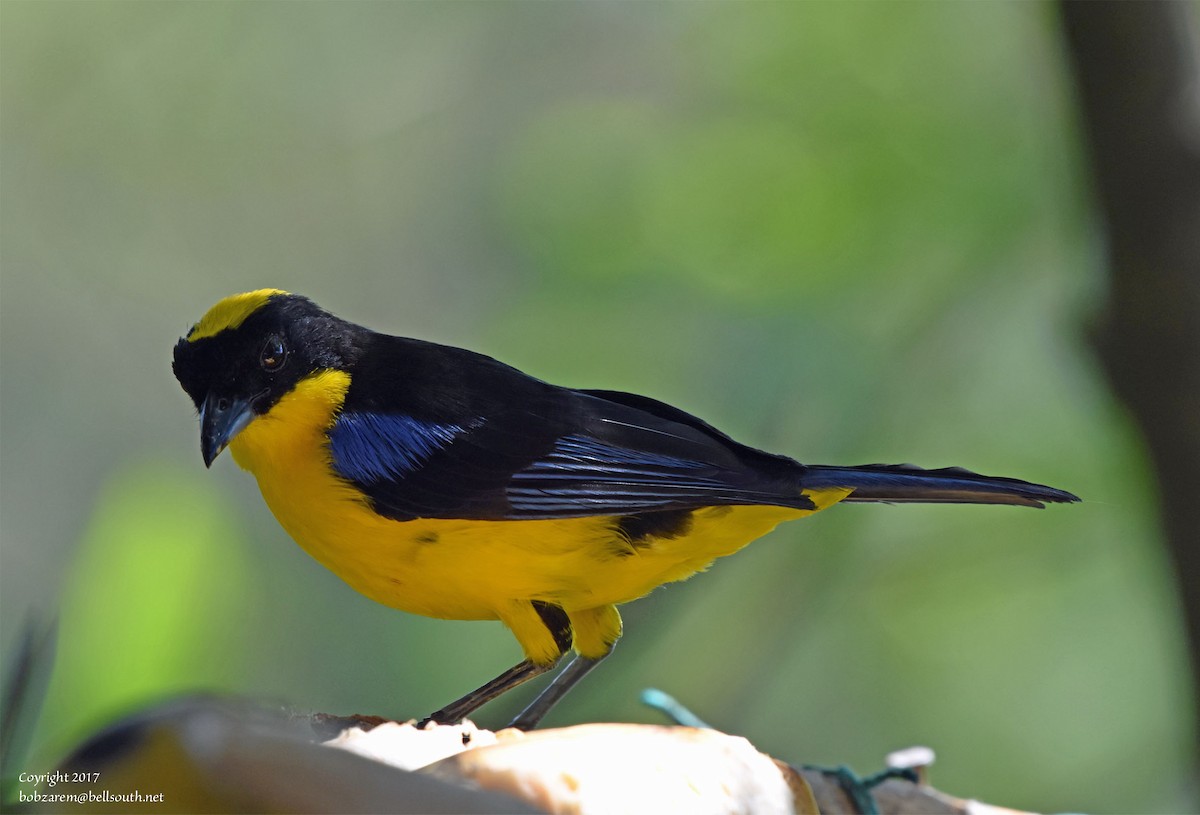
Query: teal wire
(669, 706)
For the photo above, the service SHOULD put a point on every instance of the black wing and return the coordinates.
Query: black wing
(484, 441)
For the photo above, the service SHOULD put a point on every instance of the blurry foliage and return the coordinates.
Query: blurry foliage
(850, 232)
(155, 601)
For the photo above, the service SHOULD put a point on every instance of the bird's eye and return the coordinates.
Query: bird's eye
(273, 355)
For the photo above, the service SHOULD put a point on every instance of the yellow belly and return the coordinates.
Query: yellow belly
(468, 570)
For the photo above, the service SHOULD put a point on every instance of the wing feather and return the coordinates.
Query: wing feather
(500, 469)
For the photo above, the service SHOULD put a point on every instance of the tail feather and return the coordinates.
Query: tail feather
(907, 483)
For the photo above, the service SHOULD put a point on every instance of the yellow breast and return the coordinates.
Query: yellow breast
(460, 569)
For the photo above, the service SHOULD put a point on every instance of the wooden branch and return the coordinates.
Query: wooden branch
(210, 755)
(635, 768)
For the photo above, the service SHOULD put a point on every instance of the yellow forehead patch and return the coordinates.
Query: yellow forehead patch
(231, 312)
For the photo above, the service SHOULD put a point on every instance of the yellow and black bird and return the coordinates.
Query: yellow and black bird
(445, 483)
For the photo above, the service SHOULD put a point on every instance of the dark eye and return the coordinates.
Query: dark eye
(273, 355)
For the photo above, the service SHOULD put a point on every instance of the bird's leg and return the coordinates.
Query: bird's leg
(528, 718)
(457, 710)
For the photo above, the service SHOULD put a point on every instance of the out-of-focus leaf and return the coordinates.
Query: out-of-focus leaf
(155, 600)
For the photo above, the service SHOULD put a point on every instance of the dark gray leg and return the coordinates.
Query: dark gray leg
(528, 718)
(457, 710)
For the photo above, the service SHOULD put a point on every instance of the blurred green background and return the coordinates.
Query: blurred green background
(848, 232)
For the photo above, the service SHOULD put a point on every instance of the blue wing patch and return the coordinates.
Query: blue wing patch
(406, 467)
(371, 447)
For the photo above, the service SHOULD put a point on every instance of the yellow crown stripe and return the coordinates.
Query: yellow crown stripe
(231, 312)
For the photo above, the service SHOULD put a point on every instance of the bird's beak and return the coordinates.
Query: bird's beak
(221, 418)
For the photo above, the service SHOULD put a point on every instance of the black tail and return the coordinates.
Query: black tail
(906, 483)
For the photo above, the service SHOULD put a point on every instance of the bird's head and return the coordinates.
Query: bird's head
(249, 351)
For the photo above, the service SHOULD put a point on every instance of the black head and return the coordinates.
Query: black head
(249, 351)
